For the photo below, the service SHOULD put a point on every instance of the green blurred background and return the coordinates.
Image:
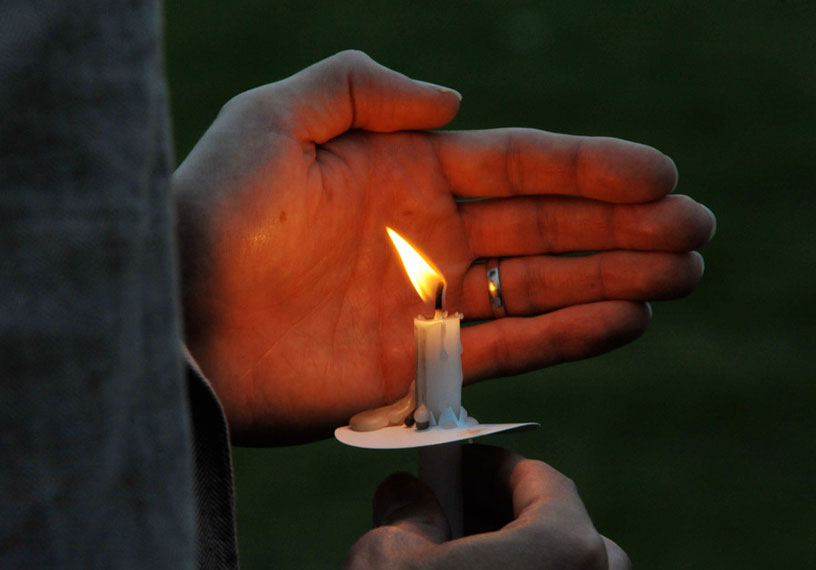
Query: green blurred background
(692, 447)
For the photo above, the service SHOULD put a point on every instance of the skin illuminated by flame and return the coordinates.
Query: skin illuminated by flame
(424, 276)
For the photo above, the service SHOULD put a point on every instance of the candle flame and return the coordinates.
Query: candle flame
(425, 277)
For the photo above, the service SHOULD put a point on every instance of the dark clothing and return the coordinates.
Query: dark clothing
(215, 512)
(96, 461)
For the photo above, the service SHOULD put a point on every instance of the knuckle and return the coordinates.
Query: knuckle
(232, 103)
(569, 485)
(618, 559)
(535, 467)
(352, 58)
(245, 103)
(606, 276)
(576, 543)
(536, 283)
(593, 550)
(515, 150)
(583, 548)
(502, 352)
(375, 549)
(573, 542)
(541, 470)
(623, 561)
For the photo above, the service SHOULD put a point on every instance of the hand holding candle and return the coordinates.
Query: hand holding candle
(522, 514)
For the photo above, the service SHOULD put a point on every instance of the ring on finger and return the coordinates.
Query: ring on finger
(494, 289)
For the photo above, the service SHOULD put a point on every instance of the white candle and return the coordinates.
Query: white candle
(438, 383)
(439, 404)
(438, 371)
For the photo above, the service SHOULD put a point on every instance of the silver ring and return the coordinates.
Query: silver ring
(494, 290)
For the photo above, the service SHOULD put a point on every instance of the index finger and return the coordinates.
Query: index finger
(549, 526)
(514, 162)
(504, 484)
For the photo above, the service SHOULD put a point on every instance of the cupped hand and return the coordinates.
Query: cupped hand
(522, 514)
(296, 306)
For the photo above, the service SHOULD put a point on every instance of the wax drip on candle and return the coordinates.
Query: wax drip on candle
(440, 297)
(404, 410)
(443, 353)
(384, 416)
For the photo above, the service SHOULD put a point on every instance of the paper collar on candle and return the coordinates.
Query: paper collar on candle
(402, 437)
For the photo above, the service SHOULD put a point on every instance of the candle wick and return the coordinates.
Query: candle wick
(440, 296)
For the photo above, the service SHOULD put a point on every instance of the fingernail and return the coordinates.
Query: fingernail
(702, 262)
(651, 311)
(713, 219)
(443, 89)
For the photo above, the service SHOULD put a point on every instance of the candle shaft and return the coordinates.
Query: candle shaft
(439, 370)
(439, 401)
(440, 467)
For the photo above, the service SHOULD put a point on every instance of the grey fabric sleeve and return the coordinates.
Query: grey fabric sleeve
(96, 466)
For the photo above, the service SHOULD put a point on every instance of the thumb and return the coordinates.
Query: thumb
(350, 90)
(404, 501)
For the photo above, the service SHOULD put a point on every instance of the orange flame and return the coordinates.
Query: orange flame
(425, 277)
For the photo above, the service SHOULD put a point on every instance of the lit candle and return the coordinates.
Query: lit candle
(438, 347)
(438, 383)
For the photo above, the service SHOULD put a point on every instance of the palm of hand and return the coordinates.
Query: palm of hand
(343, 292)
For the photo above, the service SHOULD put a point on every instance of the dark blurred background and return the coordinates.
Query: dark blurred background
(692, 447)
